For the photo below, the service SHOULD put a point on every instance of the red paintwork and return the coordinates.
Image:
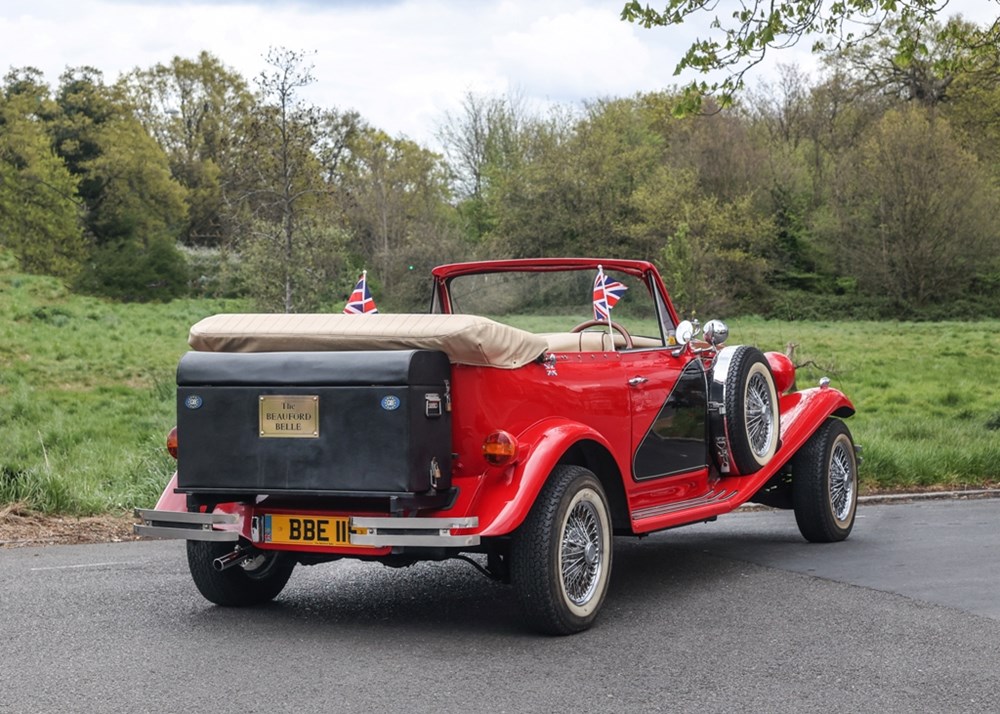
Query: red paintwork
(588, 400)
(782, 369)
(170, 500)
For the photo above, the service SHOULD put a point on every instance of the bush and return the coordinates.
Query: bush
(213, 273)
(131, 272)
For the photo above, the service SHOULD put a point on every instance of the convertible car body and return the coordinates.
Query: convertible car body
(513, 425)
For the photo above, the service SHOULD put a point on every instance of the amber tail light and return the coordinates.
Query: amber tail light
(172, 442)
(499, 448)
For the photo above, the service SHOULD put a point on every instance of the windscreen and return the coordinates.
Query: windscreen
(557, 301)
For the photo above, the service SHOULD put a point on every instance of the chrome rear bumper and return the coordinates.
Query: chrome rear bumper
(379, 531)
(180, 524)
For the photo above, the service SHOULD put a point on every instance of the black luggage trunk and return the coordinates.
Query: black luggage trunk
(350, 423)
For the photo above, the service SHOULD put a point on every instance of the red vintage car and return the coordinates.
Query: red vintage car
(539, 409)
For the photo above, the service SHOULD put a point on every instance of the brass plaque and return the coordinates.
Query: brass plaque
(289, 416)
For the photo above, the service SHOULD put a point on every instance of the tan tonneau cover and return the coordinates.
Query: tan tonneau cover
(466, 339)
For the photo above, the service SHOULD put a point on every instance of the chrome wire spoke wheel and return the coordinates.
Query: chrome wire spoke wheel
(560, 557)
(580, 553)
(842, 481)
(759, 414)
(745, 427)
(825, 484)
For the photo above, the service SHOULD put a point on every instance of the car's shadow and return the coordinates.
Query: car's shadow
(444, 597)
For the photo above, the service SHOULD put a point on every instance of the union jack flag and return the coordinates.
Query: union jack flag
(607, 292)
(360, 302)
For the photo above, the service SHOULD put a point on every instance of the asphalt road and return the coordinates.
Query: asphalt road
(737, 615)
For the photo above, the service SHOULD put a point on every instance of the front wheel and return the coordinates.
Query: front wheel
(561, 554)
(257, 581)
(825, 484)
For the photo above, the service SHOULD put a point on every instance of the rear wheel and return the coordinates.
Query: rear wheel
(825, 484)
(561, 554)
(258, 580)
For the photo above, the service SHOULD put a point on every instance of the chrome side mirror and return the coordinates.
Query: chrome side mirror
(684, 332)
(716, 332)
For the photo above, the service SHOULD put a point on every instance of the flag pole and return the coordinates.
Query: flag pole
(604, 291)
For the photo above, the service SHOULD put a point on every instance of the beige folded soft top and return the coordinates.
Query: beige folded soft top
(466, 339)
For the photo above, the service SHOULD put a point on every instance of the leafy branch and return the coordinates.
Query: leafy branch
(743, 39)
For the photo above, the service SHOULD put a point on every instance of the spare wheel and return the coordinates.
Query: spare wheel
(744, 411)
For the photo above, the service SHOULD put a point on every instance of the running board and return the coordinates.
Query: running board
(713, 497)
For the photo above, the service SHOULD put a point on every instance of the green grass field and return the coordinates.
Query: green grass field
(87, 394)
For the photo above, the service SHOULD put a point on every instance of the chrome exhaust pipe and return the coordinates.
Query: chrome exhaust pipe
(237, 557)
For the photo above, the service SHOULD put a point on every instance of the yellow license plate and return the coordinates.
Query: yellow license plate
(332, 531)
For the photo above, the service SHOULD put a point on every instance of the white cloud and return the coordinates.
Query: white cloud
(400, 63)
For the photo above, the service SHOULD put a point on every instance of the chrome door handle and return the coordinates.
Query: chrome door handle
(636, 381)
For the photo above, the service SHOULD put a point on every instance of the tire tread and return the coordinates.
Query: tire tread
(810, 486)
(530, 558)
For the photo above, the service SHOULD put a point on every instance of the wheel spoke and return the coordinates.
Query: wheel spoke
(759, 415)
(841, 482)
(581, 556)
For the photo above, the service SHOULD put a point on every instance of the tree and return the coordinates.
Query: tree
(483, 144)
(718, 147)
(194, 109)
(713, 252)
(280, 193)
(757, 27)
(133, 208)
(919, 63)
(799, 129)
(916, 215)
(395, 197)
(571, 194)
(39, 214)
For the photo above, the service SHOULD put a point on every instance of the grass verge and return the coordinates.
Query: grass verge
(87, 394)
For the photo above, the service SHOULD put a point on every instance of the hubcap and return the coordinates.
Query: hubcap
(841, 482)
(581, 560)
(759, 415)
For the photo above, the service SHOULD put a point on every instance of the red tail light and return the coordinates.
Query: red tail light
(499, 448)
(172, 442)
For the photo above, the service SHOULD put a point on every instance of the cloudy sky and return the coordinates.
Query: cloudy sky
(401, 63)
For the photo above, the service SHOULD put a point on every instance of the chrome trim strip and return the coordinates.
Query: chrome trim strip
(414, 540)
(147, 531)
(415, 524)
(201, 519)
(388, 531)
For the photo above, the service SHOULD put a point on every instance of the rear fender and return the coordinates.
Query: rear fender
(508, 496)
(172, 501)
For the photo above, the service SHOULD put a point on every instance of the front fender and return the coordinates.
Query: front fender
(802, 413)
(507, 497)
